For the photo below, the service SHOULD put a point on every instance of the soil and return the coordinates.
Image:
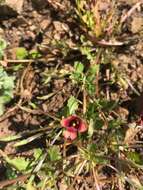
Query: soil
(35, 28)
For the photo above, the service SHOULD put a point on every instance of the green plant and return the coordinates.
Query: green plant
(85, 79)
(6, 88)
(34, 54)
(21, 53)
(89, 15)
(2, 47)
(72, 105)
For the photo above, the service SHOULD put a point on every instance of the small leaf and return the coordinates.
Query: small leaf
(29, 185)
(93, 69)
(92, 147)
(100, 160)
(10, 173)
(91, 128)
(1, 109)
(19, 163)
(2, 44)
(2, 47)
(87, 51)
(9, 138)
(72, 105)
(54, 153)
(78, 66)
(21, 143)
(33, 54)
(6, 88)
(122, 82)
(37, 153)
(135, 157)
(21, 53)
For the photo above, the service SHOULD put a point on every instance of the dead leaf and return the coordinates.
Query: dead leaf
(131, 133)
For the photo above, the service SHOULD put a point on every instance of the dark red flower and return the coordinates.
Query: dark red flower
(140, 121)
(73, 125)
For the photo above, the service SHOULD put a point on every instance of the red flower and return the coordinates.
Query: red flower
(140, 121)
(70, 135)
(73, 125)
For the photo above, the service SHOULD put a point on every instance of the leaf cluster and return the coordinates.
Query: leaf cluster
(6, 88)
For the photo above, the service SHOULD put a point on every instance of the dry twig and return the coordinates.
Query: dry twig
(128, 14)
(21, 178)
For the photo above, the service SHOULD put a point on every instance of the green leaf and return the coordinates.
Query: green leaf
(29, 185)
(92, 147)
(10, 173)
(54, 153)
(78, 66)
(17, 67)
(77, 75)
(1, 109)
(8, 82)
(88, 52)
(33, 54)
(91, 128)
(6, 88)
(21, 53)
(20, 163)
(37, 153)
(135, 157)
(3, 44)
(9, 138)
(2, 47)
(21, 143)
(72, 105)
(100, 160)
(93, 69)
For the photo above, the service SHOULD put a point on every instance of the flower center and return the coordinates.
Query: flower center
(75, 123)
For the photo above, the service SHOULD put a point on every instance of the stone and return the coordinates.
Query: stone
(39, 4)
(44, 24)
(137, 24)
(11, 7)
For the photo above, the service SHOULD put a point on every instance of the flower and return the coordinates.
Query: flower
(73, 125)
(140, 121)
(70, 135)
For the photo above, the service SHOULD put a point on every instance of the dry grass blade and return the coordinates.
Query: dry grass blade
(96, 180)
(128, 14)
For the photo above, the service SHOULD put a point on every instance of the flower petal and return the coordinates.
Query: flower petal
(82, 127)
(65, 122)
(70, 135)
(71, 129)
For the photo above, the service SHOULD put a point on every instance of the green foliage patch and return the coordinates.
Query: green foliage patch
(6, 88)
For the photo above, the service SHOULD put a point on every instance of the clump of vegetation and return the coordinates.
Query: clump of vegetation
(6, 88)
(2, 47)
(6, 81)
(88, 141)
